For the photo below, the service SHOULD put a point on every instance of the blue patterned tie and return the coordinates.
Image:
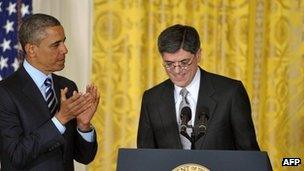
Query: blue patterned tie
(50, 96)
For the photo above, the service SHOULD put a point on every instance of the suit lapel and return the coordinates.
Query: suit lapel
(57, 88)
(32, 92)
(168, 115)
(204, 100)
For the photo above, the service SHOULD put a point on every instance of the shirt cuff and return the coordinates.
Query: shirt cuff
(88, 136)
(61, 128)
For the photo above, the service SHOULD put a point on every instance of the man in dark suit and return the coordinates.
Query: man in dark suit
(220, 107)
(44, 122)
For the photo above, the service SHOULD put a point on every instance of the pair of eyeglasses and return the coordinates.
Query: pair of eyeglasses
(183, 64)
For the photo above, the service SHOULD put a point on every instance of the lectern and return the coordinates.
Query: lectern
(191, 160)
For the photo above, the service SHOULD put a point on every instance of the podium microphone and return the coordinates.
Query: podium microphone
(185, 117)
(202, 124)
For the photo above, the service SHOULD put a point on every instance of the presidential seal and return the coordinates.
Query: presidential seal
(191, 167)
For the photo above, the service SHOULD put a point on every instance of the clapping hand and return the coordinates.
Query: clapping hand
(73, 106)
(84, 119)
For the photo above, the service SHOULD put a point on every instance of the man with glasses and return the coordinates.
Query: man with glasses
(222, 102)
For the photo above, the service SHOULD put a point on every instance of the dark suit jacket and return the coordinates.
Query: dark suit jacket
(229, 126)
(30, 140)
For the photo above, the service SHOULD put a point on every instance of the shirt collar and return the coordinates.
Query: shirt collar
(38, 76)
(193, 87)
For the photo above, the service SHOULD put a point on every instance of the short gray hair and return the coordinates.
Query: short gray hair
(32, 29)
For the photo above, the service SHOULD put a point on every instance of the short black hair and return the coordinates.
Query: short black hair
(32, 29)
(178, 37)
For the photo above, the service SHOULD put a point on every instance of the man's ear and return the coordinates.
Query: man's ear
(199, 54)
(30, 50)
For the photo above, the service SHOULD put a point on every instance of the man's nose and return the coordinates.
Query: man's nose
(176, 68)
(64, 49)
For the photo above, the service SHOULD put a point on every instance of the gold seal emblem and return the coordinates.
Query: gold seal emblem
(191, 167)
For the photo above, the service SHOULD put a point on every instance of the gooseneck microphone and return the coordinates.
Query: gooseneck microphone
(185, 117)
(202, 122)
(200, 128)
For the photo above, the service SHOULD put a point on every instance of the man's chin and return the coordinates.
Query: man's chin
(60, 68)
(62, 65)
(180, 83)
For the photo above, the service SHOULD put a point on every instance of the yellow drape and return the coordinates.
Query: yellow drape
(260, 42)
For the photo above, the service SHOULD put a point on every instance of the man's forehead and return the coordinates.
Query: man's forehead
(177, 56)
(53, 33)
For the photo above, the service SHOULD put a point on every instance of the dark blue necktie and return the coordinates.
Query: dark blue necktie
(50, 96)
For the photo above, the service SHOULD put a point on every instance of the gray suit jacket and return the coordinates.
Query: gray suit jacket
(29, 139)
(229, 126)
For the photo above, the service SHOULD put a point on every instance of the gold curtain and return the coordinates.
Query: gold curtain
(260, 42)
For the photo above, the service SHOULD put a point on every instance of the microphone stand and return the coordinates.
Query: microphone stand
(193, 138)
